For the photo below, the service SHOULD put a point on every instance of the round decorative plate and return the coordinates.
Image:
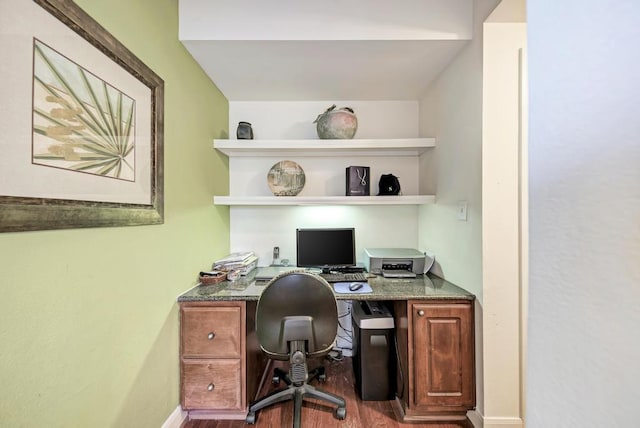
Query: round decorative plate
(286, 178)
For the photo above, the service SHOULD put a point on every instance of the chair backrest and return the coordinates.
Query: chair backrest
(296, 306)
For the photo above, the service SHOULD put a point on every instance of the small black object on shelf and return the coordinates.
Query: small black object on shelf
(389, 185)
(244, 131)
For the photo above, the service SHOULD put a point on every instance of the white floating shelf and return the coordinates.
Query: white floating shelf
(317, 147)
(323, 200)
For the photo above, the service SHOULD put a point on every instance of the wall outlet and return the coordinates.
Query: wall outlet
(462, 210)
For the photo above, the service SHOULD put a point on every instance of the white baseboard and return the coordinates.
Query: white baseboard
(497, 422)
(476, 418)
(480, 421)
(175, 419)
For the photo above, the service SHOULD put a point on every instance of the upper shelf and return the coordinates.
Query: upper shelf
(317, 147)
(323, 200)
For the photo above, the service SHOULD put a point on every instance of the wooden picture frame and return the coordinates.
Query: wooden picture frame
(90, 151)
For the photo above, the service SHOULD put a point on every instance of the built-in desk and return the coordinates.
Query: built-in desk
(222, 367)
(423, 287)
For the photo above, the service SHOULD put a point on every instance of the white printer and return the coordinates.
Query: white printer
(396, 262)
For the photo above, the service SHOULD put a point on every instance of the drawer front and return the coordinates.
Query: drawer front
(211, 384)
(211, 332)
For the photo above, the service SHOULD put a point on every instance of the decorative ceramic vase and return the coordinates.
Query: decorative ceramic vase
(339, 124)
(244, 131)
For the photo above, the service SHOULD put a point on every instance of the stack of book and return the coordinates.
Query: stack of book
(241, 262)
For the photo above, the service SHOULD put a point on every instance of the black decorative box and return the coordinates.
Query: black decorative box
(358, 180)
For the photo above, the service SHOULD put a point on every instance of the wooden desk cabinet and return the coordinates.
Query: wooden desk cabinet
(218, 349)
(436, 377)
(222, 367)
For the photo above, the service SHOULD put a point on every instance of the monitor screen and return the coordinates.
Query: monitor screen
(325, 247)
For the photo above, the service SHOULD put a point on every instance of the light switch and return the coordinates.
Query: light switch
(462, 210)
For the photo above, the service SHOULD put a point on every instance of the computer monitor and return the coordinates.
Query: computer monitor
(326, 248)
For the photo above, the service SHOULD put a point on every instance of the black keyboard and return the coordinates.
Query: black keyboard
(344, 277)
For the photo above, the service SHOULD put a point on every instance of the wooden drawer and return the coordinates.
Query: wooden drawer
(211, 332)
(211, 384)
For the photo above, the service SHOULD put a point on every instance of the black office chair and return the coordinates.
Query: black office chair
(296, 318)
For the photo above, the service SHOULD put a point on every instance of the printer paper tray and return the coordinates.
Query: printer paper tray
(398, 274)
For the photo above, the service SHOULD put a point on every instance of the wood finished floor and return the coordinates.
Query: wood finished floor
(341, 381)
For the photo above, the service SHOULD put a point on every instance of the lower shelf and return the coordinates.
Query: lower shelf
(324, 200)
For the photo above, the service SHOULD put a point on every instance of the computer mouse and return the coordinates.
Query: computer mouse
(355, 286)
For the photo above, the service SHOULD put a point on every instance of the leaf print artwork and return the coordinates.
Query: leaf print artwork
(80, 122)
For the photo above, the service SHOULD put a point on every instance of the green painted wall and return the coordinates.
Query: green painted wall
(88, 317)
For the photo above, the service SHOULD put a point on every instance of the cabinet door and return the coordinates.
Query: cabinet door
(443, 356)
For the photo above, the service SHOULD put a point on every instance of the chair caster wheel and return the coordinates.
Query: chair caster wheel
(322, 378)
(275, 380)
(341, 413)
(251, 418)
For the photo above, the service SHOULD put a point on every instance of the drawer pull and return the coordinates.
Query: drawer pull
(210, 387)
(211, 335)
(420, 313)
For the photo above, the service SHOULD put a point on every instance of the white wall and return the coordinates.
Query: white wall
(584, 154)
(294, 119)
(451, 110)
(261, 228)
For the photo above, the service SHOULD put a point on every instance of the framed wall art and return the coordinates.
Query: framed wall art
(81, 127)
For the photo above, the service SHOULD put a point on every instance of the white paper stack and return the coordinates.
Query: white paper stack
(243, 262)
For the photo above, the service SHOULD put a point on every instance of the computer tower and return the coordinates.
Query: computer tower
(373, 354)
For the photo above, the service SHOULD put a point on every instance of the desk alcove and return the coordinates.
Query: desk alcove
(222, 367)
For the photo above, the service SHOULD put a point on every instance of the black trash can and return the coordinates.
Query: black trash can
(374, 357)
